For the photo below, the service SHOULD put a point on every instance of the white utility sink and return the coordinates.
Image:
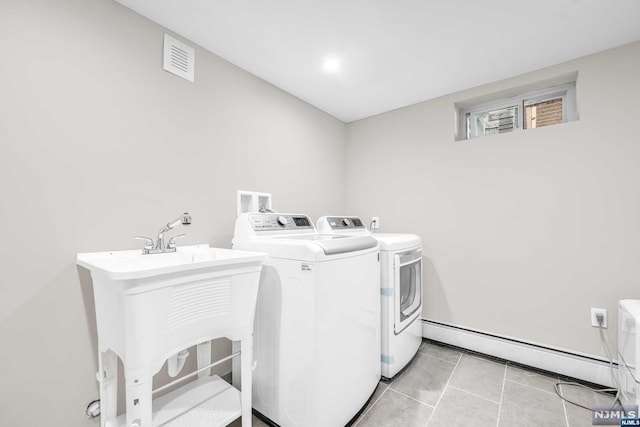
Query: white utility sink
(132, 264)
(149, 307)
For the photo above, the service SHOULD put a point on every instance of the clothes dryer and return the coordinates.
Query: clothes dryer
(400, 290)
(317, 322)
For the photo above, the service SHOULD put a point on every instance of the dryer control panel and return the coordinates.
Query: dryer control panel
(345, 223)
(274, 221)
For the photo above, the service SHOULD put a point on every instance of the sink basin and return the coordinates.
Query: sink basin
(162, 303)
(132, 264)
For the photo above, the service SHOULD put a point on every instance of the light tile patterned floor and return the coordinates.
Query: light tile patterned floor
(444, 386)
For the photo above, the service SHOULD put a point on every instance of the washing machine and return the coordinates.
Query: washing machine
(400, 290)
(317, 322)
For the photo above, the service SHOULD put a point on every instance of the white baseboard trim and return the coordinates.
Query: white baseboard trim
(584, 367)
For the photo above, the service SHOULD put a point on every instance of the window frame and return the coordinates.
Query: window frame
(567, 91)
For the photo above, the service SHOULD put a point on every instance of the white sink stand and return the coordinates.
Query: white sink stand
(149, 308)
(209, 400)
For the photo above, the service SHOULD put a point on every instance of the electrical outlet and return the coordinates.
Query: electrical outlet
(594, 319)
(375, 223)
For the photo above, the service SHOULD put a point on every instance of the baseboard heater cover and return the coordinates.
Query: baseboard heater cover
(581, 366)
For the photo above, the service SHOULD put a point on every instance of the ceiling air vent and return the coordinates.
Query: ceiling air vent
(179, 58)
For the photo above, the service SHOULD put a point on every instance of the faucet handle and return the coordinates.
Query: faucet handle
(148, 240)
(172, 241)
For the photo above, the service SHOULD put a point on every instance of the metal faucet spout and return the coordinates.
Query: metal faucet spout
(184, 219)
(159, 246)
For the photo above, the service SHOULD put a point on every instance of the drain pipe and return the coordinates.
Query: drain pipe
(176, 362)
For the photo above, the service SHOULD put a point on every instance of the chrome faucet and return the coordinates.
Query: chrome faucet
(159, 246)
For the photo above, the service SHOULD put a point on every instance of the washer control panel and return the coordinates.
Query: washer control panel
(345, 223)
(271, 221)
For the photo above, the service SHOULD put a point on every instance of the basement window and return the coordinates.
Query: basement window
(530, 110)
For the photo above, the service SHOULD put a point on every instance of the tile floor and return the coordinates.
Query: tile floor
(444, 386)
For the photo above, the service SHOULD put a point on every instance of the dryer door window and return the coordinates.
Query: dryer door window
(408, 289)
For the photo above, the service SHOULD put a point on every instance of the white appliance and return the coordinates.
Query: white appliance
(628, 355)
(317, 322)
(400, 290)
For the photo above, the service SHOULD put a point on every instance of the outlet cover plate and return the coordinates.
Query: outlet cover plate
(594, 320)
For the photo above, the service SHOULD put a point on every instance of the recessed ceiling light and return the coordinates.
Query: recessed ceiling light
(331, 65)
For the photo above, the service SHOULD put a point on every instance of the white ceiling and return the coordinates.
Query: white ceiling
(393, 53)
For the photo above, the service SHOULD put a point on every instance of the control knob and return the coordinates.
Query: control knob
(282, 220)
(346, 222)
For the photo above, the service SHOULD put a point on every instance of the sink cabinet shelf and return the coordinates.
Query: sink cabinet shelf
(208, 401)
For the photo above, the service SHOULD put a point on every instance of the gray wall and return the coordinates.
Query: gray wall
(100, 144)
(522, 232)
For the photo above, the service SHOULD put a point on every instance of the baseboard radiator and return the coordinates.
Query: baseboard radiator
(585, 367)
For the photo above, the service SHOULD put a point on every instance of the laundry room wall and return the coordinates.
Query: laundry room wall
(100, 144)
(524, 232)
